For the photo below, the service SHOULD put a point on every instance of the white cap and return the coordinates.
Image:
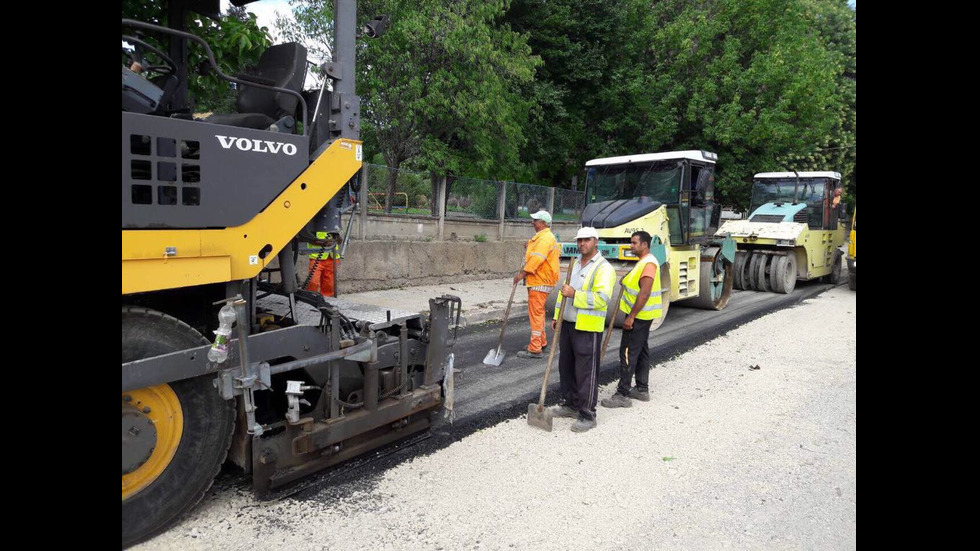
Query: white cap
(543, 216)
(587, 232)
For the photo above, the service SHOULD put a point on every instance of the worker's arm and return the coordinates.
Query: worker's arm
(521, 275)
(646, 285)
(537, 255)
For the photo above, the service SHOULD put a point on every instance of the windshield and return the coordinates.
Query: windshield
(782, 190)
(660, 181)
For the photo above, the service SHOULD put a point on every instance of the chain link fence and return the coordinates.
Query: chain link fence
(412, 193)
(568, 205)
(524, 199)
(472, 198)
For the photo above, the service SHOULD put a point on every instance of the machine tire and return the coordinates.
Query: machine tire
(208, 423)
(776, 273)
(789, 273)
(739, 273)
(852, 281)
(716, 267)
(835, 271)
(750, 277)
(761, 281)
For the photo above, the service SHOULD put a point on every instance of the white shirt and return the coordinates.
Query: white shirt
(578, 283)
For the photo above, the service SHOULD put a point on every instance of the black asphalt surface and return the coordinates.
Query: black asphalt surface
(487, 395)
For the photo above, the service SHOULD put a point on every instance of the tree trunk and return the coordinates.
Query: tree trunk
(434, 203)
(391, 187)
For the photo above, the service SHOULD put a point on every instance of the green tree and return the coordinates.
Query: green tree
(753, 80)
(441, 91)
(235, 38)
(836, 23)
(586, 47)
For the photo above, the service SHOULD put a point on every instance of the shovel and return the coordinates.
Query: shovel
(537, 416)
(605, 340)
(497, 357)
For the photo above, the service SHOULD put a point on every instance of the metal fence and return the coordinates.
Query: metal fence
(568, 205)
(472, 198)
(466, 198)
(412, 191)
(524, 199)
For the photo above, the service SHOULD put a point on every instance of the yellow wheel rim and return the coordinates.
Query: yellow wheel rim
(168, 420)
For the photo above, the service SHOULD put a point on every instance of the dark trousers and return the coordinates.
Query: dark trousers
(634, 358)
(578, 368)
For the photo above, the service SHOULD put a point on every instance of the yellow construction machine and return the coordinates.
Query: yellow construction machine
(213, 211)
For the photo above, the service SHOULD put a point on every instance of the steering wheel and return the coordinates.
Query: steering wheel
(168, 68)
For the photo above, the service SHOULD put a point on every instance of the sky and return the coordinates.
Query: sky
(265, 13)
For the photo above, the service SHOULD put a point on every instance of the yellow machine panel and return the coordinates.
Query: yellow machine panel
(166, 259)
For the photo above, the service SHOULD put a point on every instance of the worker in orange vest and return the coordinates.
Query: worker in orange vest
(540, 273)
(324, 256)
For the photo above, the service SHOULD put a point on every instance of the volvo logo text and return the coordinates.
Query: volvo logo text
(258, 146)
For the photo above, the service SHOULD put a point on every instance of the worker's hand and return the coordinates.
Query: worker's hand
(567, 291)
(628, 323)
(518, 277)
(554, 325)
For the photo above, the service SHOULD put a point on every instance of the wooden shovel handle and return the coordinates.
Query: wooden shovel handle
(554, 339)
(612, 321)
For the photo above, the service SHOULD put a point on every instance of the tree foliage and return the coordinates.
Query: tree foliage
(442, 89)
(752, 80)
(531, 89)
(235, 38)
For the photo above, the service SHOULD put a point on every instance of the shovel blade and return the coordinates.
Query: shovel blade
(494, 357)
(540, 419)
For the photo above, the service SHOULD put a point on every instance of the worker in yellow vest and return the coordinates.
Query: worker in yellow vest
(324, 256)
(641, 302)
(590, 289)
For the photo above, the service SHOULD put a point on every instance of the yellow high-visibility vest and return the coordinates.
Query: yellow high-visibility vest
(330, 252)
(592, 300)
(631, 289)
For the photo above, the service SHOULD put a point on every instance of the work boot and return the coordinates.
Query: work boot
(583, 424)
(617, 401)
(563, 411)
(640, 395)
(529, 355)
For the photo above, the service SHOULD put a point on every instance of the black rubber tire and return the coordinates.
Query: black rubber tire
(750, 276)
(776, 270)
(209, 422)
(741, 269)
(852, 281)
(761, 281)
(837, 268)
(789, 283)
(705, 272)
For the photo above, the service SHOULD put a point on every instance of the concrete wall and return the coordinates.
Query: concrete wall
(401, 259)
(422, 228)
(373, 265)
(402, 251)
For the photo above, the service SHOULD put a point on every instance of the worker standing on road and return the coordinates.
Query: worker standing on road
(642, 304)
(584, 319)
(540, 273)
(324, 257)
